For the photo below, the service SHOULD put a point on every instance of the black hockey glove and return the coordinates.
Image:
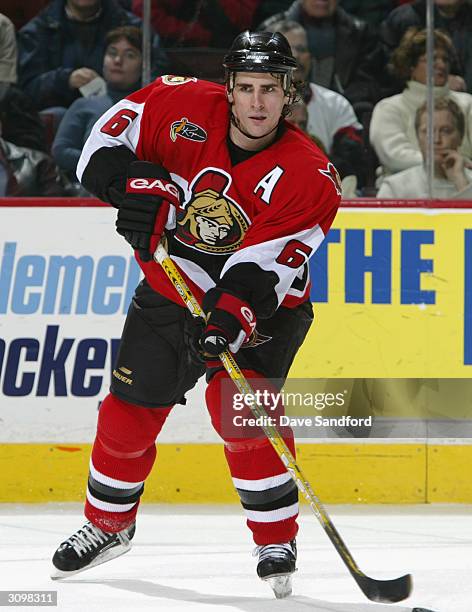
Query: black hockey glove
(230, 322)
(143, 214)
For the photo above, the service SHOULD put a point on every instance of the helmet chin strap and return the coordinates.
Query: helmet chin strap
(237, 125)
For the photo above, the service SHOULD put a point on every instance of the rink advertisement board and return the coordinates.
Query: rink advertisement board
(66, 279)
(392, 290)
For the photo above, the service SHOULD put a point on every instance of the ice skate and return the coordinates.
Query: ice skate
(277, 563)
(88, 547)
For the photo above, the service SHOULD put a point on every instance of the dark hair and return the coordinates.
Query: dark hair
(131, 33)
(447, 104)
(412, 46)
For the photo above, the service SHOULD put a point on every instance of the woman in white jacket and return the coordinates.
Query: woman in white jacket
(452, 174)
(392, 129)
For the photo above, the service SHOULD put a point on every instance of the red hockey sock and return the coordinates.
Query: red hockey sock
(122, 457)
(268, 494)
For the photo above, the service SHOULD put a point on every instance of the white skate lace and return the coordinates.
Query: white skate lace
(87, 538)
(278, 551)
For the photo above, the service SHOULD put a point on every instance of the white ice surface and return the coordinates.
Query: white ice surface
(198, 559)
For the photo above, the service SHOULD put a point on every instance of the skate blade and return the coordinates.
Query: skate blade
(108, 555)
(281, 585)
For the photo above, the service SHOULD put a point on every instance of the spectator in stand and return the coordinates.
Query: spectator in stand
(345, 52)
(392, 129)
(371, 11)
(28, 173)
(453, 17)
(331, 118)
(122, 73)
(453, 177)
(62, 49)
(22, 125)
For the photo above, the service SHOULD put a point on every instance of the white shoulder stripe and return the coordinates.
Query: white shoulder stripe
(265, 255)
(98, 139)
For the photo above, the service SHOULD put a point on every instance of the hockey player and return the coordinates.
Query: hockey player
(243, 199)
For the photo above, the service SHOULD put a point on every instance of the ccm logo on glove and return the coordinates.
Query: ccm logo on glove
(157, 187)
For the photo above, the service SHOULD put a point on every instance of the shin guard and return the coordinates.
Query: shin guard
(267, 492)
(122, 457)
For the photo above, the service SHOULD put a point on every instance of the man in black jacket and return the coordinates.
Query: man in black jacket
(62, 48)
(344, 49)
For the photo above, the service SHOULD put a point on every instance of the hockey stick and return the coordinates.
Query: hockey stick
(375, 590)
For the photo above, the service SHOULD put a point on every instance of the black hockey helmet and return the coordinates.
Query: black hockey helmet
(260, 52)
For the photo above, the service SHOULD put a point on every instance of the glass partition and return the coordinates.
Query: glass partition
(420, 136)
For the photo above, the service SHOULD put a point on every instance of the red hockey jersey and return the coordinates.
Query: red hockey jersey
(256, 222)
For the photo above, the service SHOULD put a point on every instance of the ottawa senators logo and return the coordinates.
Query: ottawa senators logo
(333, 176)
(211, 221)
(186, 129)
(172, 79)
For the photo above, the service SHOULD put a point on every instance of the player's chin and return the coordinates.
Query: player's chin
(260, 128)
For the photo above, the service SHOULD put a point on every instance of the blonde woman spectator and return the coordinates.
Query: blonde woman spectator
(392, 129)
(452, 175)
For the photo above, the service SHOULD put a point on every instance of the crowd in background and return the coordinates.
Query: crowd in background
(361, 82)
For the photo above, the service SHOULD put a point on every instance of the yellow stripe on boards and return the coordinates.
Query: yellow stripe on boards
(197, 473)
(449, 474)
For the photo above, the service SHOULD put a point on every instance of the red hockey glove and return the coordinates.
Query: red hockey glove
(230, 322)
(143, 214)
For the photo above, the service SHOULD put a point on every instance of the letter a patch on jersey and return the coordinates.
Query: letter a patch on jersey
(333, 175)
(268, 182)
